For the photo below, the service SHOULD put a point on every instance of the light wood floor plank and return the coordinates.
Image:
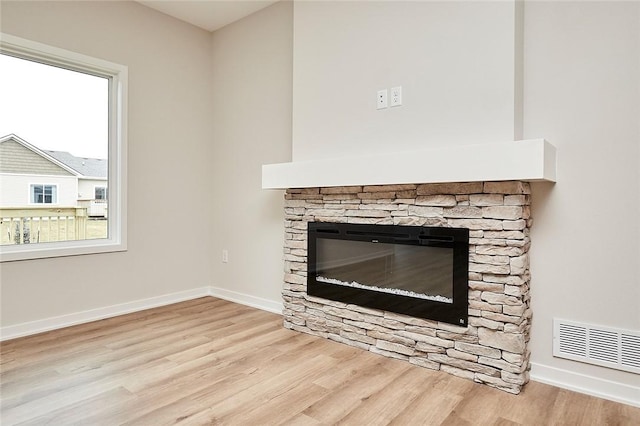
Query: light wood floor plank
(350, 395)
(383, 406)
(209, 361)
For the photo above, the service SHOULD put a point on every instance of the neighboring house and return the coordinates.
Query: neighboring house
(92, 181)
(31, 177)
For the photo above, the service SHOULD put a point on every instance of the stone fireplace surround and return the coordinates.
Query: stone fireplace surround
(492, 349)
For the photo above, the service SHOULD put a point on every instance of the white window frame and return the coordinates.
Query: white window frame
(53, 203)
(117, 179)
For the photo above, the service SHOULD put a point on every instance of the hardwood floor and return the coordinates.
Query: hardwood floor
(209, 361)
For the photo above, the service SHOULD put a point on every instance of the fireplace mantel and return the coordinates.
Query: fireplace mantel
(525, 160)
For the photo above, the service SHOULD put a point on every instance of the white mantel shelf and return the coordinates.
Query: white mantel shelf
(526, 160)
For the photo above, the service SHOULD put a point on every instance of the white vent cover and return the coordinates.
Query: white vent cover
(605, 346)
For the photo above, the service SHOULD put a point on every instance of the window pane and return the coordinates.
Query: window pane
(54, 129)
(101, 193)
(36, 193)
(47, 195)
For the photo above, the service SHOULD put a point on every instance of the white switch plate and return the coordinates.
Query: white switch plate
(225, 256)
(381, 101)
(396, 96)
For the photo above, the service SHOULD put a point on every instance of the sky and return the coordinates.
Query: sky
(54, 108)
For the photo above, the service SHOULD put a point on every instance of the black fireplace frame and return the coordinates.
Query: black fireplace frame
(456, 238)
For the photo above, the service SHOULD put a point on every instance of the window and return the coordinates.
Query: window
(67, 173)
(100, 193)
(44, 194)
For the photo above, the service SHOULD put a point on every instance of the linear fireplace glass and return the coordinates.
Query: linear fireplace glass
(420, 271)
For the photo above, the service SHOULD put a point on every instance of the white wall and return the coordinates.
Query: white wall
(170, 154)
(456, 63)
(582, 93)
(87, 188)
(252, 67)
(16, 189)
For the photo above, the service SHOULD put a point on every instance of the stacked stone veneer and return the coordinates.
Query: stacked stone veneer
(492, 349)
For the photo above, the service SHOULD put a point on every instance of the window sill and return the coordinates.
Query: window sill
(12, 253)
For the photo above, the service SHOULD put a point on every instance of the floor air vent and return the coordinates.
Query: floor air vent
(605, 346)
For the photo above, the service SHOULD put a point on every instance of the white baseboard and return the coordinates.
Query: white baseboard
(47, 324)
(247, 299)
(589, 385)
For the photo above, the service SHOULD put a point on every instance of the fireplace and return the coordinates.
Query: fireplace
(490, 348)
(411, 270)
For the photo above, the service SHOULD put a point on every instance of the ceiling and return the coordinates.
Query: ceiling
(207, 14)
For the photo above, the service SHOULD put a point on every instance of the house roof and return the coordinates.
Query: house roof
(92, 167)
(79, 166)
